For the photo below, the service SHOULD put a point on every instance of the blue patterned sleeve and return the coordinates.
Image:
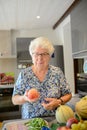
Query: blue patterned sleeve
(19, 85)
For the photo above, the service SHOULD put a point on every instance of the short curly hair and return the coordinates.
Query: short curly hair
(41, 42)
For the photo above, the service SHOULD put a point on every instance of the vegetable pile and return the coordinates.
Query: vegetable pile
(73, 120)
(36, 124)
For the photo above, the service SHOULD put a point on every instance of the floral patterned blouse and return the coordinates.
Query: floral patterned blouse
(54, 85)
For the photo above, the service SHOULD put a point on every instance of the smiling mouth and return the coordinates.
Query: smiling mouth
(40, 62)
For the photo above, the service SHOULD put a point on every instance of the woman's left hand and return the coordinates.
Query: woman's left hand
(51, 104)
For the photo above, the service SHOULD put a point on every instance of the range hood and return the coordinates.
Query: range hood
(23, 56)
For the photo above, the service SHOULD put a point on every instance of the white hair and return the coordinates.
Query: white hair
(41, 42)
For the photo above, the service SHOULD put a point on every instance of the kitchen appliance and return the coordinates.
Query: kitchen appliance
(7, 109)
(24, 58)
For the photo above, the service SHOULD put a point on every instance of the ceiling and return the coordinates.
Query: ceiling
(21, 14)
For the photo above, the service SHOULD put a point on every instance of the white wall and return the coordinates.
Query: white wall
(49, 33)
(63, 33)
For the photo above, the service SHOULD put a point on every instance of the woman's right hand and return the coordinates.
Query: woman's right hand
(21, 99)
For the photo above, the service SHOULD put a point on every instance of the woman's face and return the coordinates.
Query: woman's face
(40, 57)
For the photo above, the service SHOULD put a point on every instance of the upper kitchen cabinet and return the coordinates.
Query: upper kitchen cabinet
(5, 44)
(79, 29)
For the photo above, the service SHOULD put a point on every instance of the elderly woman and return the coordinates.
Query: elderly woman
(47, 79)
